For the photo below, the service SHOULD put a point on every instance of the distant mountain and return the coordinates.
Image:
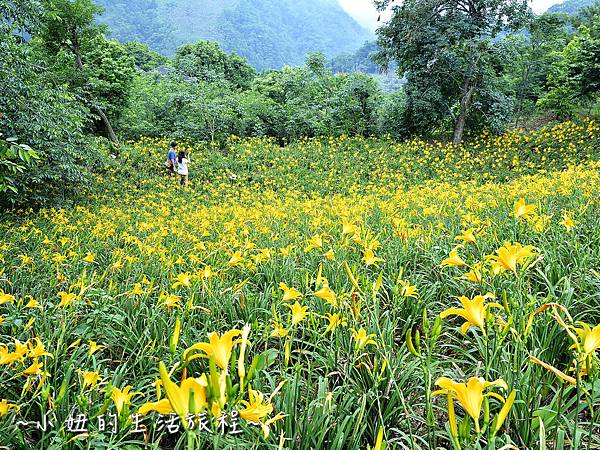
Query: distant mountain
(571, 6)
(269, 33)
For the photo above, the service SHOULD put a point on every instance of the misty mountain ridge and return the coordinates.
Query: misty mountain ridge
(269, 33)
(571, 6)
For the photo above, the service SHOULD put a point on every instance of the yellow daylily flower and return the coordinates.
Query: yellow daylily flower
(207, 272)
(33, 303)
(362, 339)
(256, 408)
(36, 348)
(187, 398)
(286, 251)
(218, 347)
(137, 290)
(508, 256)
(169, 300)
(267, 423)
(369, 258)
(470, 394)
(540, 223)
(330, 255)
(453, 259)
(26, 260)
(408, 290)
(7, 357)
(567, 222)
(66, 299)
(183, 279)
(6, 298)
(467, 236)
(297, 313)
(522, 210)
(315, 242)
(34, 369)
(21, 349)
(236, 259)
(473, 311)
(263, 255)
(327, 294)
(335, 320)
(163, 407)
(90, 257)
(89, 379)
(5, 407)
(289, 293)
(59, 258)
(348, 227)
(589, 338)
(121, 398)
(475, 275)
(94, 347)
(278, 330)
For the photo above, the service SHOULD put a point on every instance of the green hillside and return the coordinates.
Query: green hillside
(572, 6)
(268, 33)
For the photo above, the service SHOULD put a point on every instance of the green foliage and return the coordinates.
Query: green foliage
(206, 61)
(354, 106)
(96, 70)
(574, 77)
(14, 159)
(391, 115)
(530, 57)
(450, 62)
(286, 104)
(41, 114)
(144, 58)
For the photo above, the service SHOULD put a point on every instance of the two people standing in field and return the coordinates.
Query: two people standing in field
(178, 161)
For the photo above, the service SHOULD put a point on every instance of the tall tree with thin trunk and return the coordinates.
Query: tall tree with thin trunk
(70, 26)
(448, 53)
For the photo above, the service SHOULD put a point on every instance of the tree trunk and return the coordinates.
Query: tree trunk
(465, 105)
(109, 129)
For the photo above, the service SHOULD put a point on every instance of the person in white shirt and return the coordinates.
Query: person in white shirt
(183, 161)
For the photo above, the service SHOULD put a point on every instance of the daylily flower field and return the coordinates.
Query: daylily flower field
(342, 293)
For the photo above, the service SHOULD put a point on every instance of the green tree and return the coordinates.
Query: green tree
(448, 52)
(144, 58)
(206, 61)
(356, 103)
(574, 77)
(35, 112)
(390, 116)
(531, 55)
(102, 69)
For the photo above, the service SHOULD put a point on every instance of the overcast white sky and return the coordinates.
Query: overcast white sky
(364, 11)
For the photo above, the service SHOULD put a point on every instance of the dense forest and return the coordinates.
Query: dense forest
(511, 69)
(268, 33)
